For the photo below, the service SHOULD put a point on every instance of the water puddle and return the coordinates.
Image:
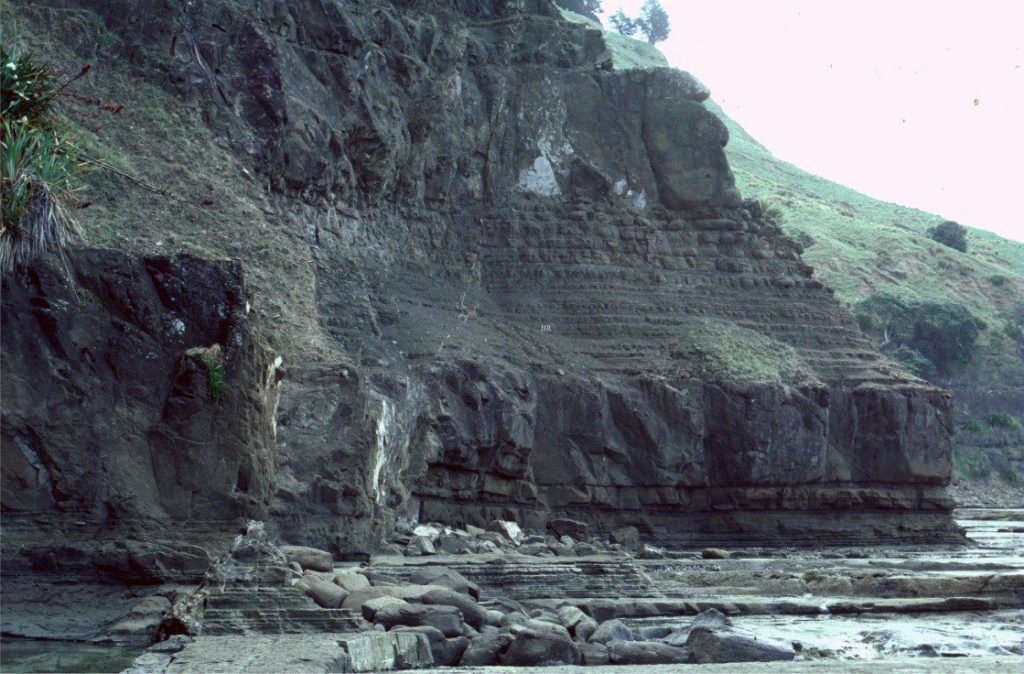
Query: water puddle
(32, 655)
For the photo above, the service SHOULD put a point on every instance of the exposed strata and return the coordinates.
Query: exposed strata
(544, 294)
(501, 597)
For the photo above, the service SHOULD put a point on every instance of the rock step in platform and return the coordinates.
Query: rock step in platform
(372, 652)
(274, 611)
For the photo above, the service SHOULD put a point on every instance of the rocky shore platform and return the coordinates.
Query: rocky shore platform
(502, 599)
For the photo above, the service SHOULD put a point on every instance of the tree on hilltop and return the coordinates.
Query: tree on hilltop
(623, 24)
(654, 22)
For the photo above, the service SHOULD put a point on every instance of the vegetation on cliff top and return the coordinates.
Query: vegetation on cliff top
(865, 248)
(721, 349)
(40, 167)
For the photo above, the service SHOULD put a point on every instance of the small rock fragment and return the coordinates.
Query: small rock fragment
(714, 553)
(611, 630)
(509, 530)
(308, 558)
(627, 537)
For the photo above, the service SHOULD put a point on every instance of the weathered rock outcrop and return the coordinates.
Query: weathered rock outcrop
(135, 389)
(543, 294)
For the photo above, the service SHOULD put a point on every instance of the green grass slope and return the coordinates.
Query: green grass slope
(859, 245)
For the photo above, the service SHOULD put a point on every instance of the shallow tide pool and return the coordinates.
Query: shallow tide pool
(32, 655)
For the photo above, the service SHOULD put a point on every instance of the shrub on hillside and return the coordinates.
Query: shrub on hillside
(994, 430)
(951, 234)
(914, 332)
(914, 361)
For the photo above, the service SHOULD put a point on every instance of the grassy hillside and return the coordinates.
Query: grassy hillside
(862, 246)
(867, 249)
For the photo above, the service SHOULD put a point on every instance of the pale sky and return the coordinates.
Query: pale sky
(918, 102)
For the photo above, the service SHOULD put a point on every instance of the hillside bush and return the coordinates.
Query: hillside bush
(951, 234)
(914, 332)
(914, 361)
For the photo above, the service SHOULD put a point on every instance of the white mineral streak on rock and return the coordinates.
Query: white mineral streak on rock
(273, 388)
(394, 429)
(381, 455)
(540, 178)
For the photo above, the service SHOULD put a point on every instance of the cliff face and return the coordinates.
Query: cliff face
(538, 290)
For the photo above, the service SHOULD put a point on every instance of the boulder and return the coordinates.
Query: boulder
(585, 549)
(432, 634)
(351, 582)
(611, 630)
(728, 644)
(451, 544)
(483, 651)
(412, 651)
(534, 549)
(445, 577)
(509, 530)
(646, 551)
(594, 654)
(514, 618)
(449, 652)
(448, 619)
(714, 553)
(429, 531)
(712, 618)
(308, 558)
(541, 644)
(654, 632)
(472, 613)
(420, 545)
(408, 592)
(646, 653)
(627, 537)
(564, 526)
(579, 625)
(677, 637)
(370, 607)
(377, 577)
(324, 593)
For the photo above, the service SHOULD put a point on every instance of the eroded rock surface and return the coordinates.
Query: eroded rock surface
(538, 299)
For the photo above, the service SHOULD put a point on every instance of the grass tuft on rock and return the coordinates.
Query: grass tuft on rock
(714, 349)
(216, 375)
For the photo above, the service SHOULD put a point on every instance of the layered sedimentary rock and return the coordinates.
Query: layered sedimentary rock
(544, 295)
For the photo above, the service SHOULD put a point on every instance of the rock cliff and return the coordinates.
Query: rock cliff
(534, 290)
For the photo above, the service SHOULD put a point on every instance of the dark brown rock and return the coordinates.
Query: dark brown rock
(484, 650)
(541, 645)
(447, 619)
(646, 653)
